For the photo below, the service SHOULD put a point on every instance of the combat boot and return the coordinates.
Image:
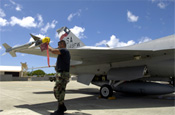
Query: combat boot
(62, 108)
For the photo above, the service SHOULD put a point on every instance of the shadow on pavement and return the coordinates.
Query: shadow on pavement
(76, 113)
(94, 103)
(91, 91)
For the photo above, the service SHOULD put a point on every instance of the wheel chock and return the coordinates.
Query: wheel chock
(112, 98)
(99, 96)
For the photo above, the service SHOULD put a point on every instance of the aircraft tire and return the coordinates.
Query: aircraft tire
(106, 91)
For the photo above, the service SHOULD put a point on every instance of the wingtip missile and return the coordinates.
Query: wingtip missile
(12, 50)
(38, 41)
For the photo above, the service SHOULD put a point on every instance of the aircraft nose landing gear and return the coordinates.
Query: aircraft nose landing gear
(106, 91)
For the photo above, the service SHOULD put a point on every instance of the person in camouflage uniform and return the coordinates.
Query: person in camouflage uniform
(62, 77)
(60, 86)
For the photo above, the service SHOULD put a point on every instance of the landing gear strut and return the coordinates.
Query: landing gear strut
(172, 82)
(106, 91)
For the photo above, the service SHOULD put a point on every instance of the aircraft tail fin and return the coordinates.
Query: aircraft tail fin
(71, 40)
(9, 49)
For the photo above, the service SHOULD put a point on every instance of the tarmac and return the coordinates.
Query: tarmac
(36, 98)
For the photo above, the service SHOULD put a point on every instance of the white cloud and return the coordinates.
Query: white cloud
(78, 31)
(29, 22)
(144, 39)
(103, 42)
(6, 5)
(56, 35)
(132, 17)
(70, 17)
(3, 22)
(18, 6)
(16, 45)
(40, 19)
(78, 13)
(26, 22)
(161, 5)
(153, 0)
(12, 2)
(51, 42)
(0, 47)
(48, 26)
(115, 42)
(2, 14)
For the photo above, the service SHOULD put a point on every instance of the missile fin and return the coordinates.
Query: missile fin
(35, 37)
(12, 53)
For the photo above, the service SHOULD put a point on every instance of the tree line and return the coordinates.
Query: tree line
(38, 73)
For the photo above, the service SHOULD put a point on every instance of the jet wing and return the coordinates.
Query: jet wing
(89, 56)
(96, 56)
(99, 56)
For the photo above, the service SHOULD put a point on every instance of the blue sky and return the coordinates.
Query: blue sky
(117, 23)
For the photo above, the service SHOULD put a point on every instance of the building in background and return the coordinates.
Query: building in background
(15, 71)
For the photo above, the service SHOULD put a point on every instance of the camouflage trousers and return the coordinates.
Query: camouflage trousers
(60, 86)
